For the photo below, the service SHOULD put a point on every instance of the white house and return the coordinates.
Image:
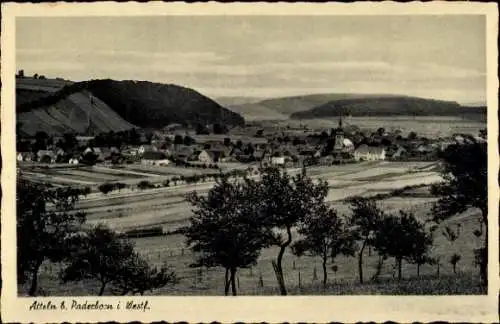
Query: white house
(369, 153)
(278, 160)
(154, 158)
(73, 161)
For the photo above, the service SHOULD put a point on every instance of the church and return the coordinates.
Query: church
(342, 144)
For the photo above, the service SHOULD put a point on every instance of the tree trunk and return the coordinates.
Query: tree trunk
(34, 279)
(418, 270)
(227, 282)
(400, 270)
(360, 262)
(325, 274)
(103, 285)
(233, 281)
(454, 268)
(278, 269)
(483, 266)
(380, 264)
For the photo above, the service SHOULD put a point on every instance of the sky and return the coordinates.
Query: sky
(441, 57)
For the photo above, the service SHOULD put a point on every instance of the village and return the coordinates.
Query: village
(250, 145)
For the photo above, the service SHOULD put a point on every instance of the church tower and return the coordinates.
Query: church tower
(339, 136)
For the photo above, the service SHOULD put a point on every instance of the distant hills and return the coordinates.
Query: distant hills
(334, 104)
(57, 106)
(389, 106)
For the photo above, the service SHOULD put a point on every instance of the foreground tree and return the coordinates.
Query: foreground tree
(365, 220)
(138, 277)
(45, 218)
(286, 202)
(223, 231)
(402, 237)
(465, 185)
(108, 257)
(324, 235)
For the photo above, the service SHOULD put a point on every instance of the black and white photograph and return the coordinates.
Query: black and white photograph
(252, 155)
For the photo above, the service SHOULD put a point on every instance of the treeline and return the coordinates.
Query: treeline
(49, 230)
(108, 187)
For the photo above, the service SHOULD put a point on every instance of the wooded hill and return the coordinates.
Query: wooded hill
(115, 105)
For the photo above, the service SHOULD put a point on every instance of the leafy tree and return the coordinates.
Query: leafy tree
(223, 231)
(40, 141)
(286, 201)
(144, 184)
(69, 142)
(381, 131)
(259, 133)
(188, 140)
(464, 185)
(120, 185)
(202, 130)
(483, 133)
(412, 136)
(454, 260)
(106, 187)
(110, 258)
(45, 218)
(137, 277)
(365, 220)
(402, 237)
(178, 140)
(324, 234)
(220, 128)
(227, 141)
(90, 158)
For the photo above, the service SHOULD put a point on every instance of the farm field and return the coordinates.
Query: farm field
(167, 207)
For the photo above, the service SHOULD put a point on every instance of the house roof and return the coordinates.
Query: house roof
(149, 155)
(365, 149)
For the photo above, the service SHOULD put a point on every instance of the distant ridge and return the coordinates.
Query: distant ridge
(284, 107)
(389, 106)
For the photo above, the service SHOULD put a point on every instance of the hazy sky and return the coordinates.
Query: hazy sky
(431, 56)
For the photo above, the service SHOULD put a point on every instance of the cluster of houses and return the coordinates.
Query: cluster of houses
(348, 146)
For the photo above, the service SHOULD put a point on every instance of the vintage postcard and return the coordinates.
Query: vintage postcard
(249, 162)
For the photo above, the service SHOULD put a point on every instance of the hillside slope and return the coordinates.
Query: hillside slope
(388, 106)
(45, 105)
(72, 114)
